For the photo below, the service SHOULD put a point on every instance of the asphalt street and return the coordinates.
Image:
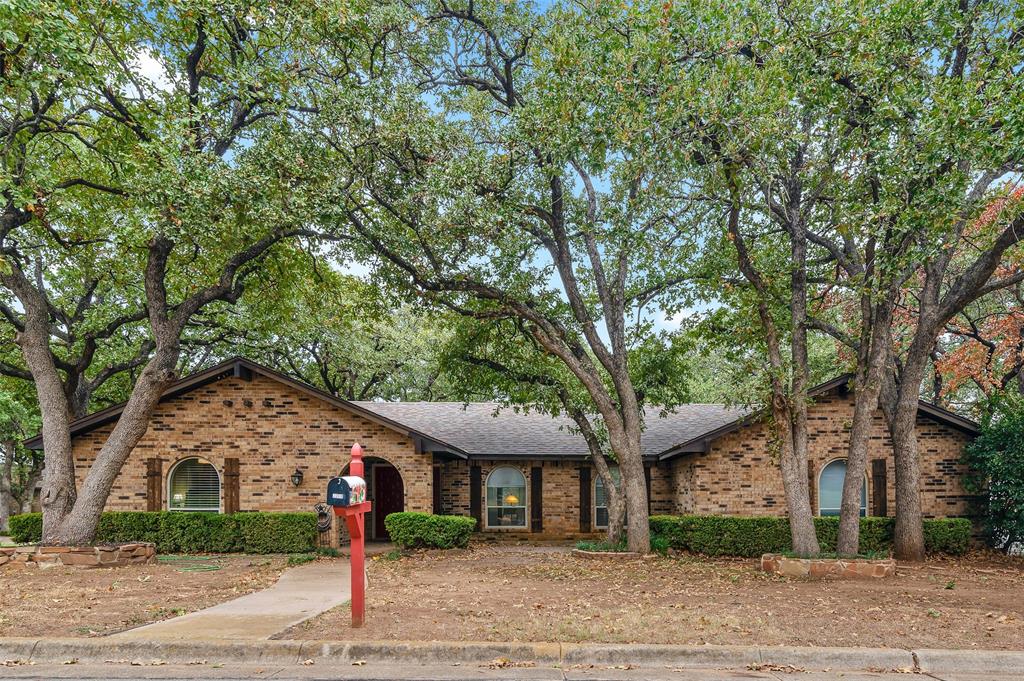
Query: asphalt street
(463, 672)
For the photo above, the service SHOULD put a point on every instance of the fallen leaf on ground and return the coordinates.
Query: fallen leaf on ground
(772, 667)
(506, 663)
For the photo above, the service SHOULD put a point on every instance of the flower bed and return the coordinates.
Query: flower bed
(817, 568)
(116, 555)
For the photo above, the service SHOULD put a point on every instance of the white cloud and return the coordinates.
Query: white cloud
(152, 69)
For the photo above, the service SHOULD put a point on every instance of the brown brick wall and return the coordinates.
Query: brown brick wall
(272, 429)
(739, 475)
(561, 494)
(561, 503)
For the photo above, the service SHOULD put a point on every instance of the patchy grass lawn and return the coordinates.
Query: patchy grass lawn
(522, 593)
(67, 601)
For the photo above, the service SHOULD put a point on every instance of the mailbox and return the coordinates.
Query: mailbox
(347, 495)
(346, 490)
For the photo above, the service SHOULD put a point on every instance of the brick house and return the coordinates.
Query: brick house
(242, 437)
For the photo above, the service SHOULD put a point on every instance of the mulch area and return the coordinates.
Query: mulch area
(68, 601)
(527, 593)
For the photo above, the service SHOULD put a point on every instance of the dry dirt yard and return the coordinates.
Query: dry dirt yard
(68, 601)
(545, 594)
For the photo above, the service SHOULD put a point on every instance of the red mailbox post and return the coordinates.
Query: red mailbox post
(354, 515)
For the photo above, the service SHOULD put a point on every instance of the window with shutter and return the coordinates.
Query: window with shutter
(193, 485)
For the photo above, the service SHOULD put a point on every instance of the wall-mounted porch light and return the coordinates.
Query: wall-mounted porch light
(297, 477)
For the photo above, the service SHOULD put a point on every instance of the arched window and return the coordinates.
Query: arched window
(506, 498)
(601, 498)
(830, 489)
(193, 485)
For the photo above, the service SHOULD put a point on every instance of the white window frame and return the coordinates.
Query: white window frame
(525, 505)
(866, 509)
(220, 487)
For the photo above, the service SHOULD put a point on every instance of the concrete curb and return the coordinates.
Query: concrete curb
(99, 650)
(839, 658)
(649, 655)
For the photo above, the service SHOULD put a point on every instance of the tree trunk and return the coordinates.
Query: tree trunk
(908, 540)
(613, 491)
(616, 517)
(865, 405)
(626, 445)
(867, 388)
(6, 469)
(79, 528)
(801, 516)
(635, 486)
(793, 459)
(59, 493)
(794, 483)
(28, 492)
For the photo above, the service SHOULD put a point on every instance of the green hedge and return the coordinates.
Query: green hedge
(276, 532)
(26, 527)
(419, 530)
(751, 536)
(178, 532)
(951, 535)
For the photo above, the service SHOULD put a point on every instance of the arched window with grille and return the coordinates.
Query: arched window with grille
(506, 498)
(193, 485)
(830, 489)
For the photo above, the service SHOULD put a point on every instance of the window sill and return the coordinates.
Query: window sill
(507, 528)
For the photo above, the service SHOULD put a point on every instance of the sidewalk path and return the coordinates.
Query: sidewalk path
(301, 592)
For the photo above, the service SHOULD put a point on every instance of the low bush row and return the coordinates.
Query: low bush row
(182, 532)
(424, 530)
(177, 532)
(715, 535)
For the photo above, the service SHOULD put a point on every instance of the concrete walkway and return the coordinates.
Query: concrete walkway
(300, 593)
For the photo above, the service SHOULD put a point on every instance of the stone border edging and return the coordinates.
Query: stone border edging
(818, 568)
(544, 654)
(102, 555)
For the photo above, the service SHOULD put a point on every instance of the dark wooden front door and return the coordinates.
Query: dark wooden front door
(388, 497)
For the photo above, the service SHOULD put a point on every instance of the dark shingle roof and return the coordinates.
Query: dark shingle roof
(485, 429)
(482, 429)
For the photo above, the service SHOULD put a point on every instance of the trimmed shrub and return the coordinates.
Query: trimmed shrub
(947, 535)
(425, 530)
(719, 535)
(875, 533)
(128, 526)
(184, 532)
(26, 527)
(198, 533)
(751, 536)
(276, 532)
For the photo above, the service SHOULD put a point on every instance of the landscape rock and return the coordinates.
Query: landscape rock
(80, 556)
(820, 568)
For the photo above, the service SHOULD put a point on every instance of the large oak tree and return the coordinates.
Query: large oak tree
(149, 172)
(517, 175)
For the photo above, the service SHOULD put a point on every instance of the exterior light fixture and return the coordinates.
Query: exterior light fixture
(297, 477)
